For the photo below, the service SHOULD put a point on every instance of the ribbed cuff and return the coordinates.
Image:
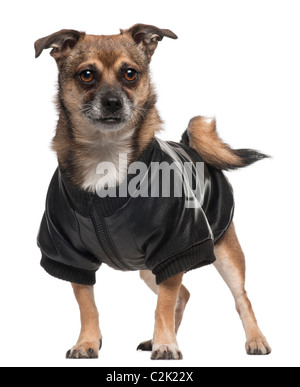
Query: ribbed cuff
(197, 256)
(68, 273)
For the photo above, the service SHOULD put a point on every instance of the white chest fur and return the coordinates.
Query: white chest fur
(107, 162)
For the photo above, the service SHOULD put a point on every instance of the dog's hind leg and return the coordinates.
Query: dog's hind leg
(231, 265)
(182, 299)
(90, 339)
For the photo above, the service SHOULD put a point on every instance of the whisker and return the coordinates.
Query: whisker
(82, 111)
(139, 113)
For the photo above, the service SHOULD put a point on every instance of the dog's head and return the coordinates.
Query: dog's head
(104, 79)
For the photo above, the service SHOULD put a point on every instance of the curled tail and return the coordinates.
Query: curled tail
(201, 135)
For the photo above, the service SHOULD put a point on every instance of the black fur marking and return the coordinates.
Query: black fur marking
(249, 156)
(246, 156)
(185, 138)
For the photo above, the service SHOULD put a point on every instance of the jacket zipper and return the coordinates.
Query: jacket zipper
(104, 239)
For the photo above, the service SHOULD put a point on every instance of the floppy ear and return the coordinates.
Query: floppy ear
(148, 36)
(60, 42)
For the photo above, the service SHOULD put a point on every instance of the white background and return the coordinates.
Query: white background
(237, 60)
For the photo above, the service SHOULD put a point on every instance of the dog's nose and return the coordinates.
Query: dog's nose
(112, 102)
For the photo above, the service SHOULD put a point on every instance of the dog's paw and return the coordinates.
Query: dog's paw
(258, 346)
(145, 346)
(85, 350)
(166, 352)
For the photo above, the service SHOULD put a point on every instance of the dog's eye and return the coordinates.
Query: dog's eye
(86, 76)
(130, 75)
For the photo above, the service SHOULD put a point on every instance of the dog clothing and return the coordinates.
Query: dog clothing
(165, 232)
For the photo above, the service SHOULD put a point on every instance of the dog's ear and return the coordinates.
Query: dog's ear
(147, 37)
(60, 42)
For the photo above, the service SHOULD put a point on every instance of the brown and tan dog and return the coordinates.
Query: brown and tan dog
(107, 107)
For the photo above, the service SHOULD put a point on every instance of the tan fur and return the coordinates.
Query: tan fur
(80, 146)
(86, 141)
(90, 338)
(231, 265)
(204, 139)
(182, 300)
(164, 344)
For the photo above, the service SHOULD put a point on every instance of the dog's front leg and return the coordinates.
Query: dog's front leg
(164, 340)
(90, 338)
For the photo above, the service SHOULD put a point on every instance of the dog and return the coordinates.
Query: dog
(108, 118)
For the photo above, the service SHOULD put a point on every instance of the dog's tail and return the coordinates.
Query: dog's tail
(201, 135)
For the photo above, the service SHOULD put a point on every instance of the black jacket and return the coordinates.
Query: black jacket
(167, 235)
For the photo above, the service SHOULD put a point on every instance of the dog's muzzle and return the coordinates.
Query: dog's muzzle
(109, 110)
(111, 102)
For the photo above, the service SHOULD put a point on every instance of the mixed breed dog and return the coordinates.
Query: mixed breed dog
(105, 142)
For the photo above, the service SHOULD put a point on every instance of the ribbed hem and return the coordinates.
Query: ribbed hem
(197, 256)
(68, 273)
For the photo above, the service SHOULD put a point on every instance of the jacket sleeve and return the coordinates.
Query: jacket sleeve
(63, 253)
(172, 237)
